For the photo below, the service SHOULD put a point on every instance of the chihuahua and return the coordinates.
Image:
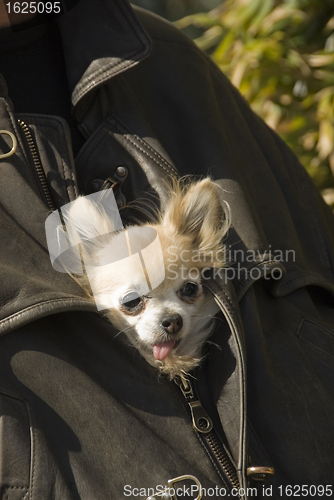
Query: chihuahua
(148, 278)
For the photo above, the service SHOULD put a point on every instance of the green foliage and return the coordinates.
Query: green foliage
(280, 54)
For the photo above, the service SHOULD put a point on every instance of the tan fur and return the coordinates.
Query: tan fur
(193, 225)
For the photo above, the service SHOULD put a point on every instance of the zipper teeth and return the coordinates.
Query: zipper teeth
(37, 163)
(210, 437)
(226, 466)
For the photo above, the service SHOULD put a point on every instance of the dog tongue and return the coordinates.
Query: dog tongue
(161, 351)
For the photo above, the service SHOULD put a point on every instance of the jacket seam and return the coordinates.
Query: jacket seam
(146, 153)
(62, 155)
(235, 325)
(95, 146)
(66, 174)
(63, 147)
(33, 454)
(263, 450)
(12, 317)
(246, 281)
(6, 497)
(17, 487)
(299, 335)
(130, 18)
(314, 280)
(185, 43)
(94, 79)
(18, 136)
(215, 466)
(124, 64)
(74, 184)
(158, 159)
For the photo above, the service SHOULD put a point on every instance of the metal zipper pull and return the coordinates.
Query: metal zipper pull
(203, 425)
(200, 419)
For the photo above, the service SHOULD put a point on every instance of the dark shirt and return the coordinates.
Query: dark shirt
(32, 63)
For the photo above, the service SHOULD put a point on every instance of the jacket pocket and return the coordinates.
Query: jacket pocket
(15, 449)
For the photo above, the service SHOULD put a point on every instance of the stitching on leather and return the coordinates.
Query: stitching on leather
(153, 151)
(121, 65)
(16, 488)
(144, 143)
(74, 184)
(139, 139)
(145, 152)
(32, 453)
(125, 62)
(167, 170)
(33, 456)
(214, 292)
(36, 306)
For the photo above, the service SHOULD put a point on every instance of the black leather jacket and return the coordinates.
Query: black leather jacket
(82, 415)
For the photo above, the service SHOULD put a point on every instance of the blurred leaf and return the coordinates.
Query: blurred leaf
(325, 142)
(280, 54)
(205, 20)
(317, 60)
(209, 38)
(265, 7)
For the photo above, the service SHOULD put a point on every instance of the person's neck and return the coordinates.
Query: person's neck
(8, 19)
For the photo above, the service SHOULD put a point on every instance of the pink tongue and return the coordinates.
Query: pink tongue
(161, 351)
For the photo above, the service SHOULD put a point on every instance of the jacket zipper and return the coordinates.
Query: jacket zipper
(203, 426)
(37, 164)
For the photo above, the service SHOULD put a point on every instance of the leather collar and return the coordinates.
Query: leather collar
(94, 51)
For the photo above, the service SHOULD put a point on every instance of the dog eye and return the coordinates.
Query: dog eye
(131, 301)
(189, 291)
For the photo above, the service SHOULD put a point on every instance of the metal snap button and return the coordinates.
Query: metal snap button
(121, 171)
(95, 185)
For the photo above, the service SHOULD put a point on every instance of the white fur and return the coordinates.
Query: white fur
(191, 224)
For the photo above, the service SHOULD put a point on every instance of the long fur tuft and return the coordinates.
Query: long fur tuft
(192, 221)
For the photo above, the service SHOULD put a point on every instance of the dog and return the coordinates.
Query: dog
(167, 321)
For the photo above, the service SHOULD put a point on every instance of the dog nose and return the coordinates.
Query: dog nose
(172, 324)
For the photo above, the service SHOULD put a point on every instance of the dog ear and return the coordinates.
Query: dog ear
(87, 225)
(197, 212)
(86, 220)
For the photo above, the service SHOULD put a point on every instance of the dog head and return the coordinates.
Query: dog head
(168, 322)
